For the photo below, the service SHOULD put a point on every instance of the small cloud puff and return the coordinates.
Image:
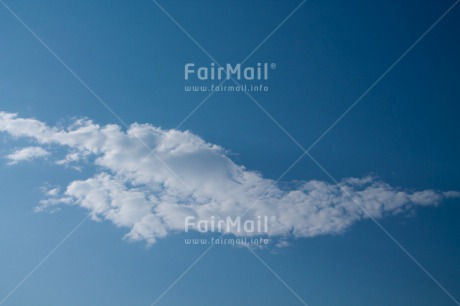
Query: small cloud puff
(26, 154)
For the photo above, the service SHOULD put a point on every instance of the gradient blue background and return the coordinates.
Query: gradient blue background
(327, 54)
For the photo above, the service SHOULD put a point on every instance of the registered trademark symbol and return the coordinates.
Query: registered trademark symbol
(273, 66)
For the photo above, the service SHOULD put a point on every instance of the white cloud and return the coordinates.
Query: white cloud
(26, 154)
(151, 192)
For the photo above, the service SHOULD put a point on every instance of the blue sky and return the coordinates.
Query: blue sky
(403, 135)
